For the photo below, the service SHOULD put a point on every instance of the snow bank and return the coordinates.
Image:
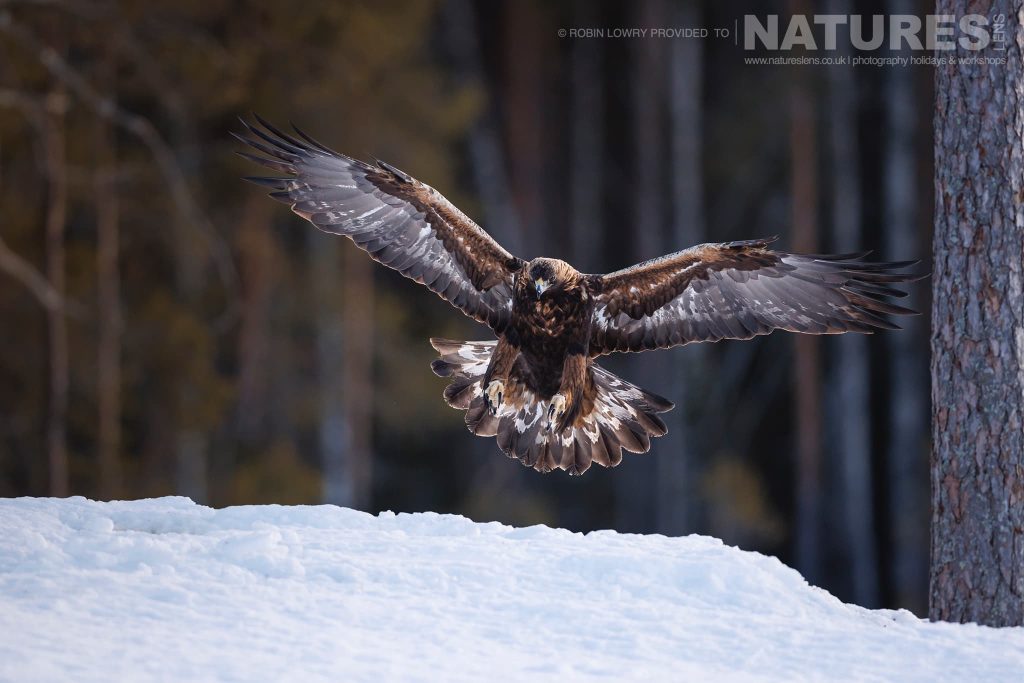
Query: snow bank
(166, 589)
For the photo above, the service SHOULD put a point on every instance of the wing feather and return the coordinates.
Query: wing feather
(738, 290)
(401, 222)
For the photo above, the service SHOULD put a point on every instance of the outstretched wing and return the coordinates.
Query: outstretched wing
(398, 220)
(738, 290)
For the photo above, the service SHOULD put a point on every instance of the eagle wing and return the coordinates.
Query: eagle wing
(397, 220)
(738, 290)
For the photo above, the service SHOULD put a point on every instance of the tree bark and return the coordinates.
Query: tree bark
(977, 563)
(56, 218)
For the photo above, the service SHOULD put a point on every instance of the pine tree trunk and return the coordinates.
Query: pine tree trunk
(977, 564)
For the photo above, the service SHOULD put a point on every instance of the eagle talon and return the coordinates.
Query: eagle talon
(555, 410)
(493, 395)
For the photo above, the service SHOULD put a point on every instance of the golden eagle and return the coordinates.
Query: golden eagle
(537, 387)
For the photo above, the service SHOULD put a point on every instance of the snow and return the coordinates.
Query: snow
(169, 590)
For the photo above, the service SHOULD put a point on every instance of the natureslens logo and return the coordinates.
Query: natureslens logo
(933, 32)
(842, 39)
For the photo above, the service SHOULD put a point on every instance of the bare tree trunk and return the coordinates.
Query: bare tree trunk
(677, 469)
(11, 264)
(586, 144)
(334, 433)
(108, 300)
(906, 453)
(524, 121)
(191, 444)
(56, 218)
(849, 397)
(636, 504)
(490, 170)
(977, 564)
(254, 249)
(343, 292)
(806, 348)
(486, 157)
(357, 372)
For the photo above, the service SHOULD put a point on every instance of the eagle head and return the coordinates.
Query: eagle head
(549, 274)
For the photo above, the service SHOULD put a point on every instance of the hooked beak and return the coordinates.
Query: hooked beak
(541, 286)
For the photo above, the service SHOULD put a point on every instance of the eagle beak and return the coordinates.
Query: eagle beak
(541, 285)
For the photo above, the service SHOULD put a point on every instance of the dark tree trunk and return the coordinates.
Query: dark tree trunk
(491, 172)
(906, 453)
(849, 400)
(334, 432)
(586, 143)
(807, 380)
(977, 564)
(636, 507)
(56, 218)
(487, 161)
(343, 292)
(677, 469)
(191, 442)
(524, 99)
(108, 304)
(357, 371)
(256, 262)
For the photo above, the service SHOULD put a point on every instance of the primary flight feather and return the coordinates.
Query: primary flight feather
(537, 388)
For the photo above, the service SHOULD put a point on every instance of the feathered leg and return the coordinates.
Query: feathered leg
(576, 385)
(498, 369)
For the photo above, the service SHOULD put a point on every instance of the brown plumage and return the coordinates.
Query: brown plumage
(537, 388)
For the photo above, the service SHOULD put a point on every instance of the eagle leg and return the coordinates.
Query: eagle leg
(556, 411)
(493, 395)
(566, 405)
(498, 368)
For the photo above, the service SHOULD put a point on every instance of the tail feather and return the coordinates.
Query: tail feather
(623, 416)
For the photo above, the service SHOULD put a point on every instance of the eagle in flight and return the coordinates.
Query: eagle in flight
(537, 388)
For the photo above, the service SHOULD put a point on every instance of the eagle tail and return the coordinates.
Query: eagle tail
(620, 416)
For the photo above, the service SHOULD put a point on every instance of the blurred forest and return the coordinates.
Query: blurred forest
(167, 329)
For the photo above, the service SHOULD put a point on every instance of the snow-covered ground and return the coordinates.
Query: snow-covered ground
(170, 590)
